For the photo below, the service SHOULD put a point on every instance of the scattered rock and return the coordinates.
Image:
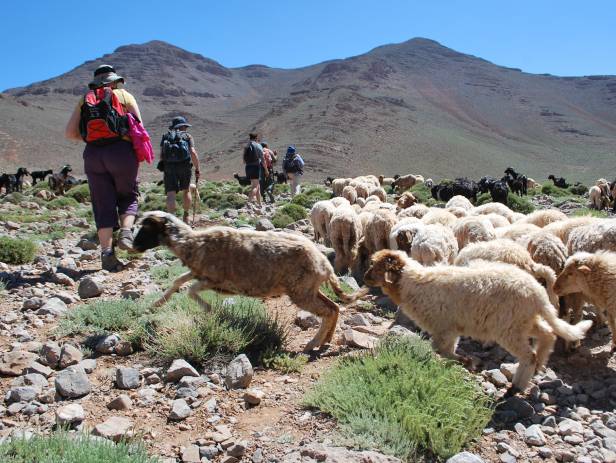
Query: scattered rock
(72, 383)
(568, 427)
(32, 303)
(354, 338)
(239, 373)
(114, 428)
(264, 224)
(237, 450)
(178, 369)
(89, 287)
(179, 410)
(107, 344)
(70, 415)
(191, 454)
(254, 396)
(21, 394)
(127, 378)
(121, 402)
(88, 365)
(357, 319)
(70, 355)
(37, 368)
(15, 363)
(305, 320)
(465, 457)
(534, 436)
(496, 377)
(53, 306)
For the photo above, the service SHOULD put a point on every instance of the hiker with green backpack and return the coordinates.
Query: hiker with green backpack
(178, 156)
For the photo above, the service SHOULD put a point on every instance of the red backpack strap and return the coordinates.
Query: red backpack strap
(115, 102)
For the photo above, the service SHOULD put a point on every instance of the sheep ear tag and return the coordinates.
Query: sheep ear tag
(584, 269)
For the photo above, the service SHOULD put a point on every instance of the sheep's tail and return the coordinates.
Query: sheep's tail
(563, 329)
(344, 297)
(547, 274)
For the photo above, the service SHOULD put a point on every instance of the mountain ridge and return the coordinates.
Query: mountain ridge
(414, 106)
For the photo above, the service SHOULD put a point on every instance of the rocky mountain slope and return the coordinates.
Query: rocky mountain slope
(415, 106)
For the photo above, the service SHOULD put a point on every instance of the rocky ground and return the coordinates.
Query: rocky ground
(238, 412)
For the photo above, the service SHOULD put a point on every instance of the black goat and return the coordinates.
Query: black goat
(281, 177)
(328, 181)
(499, 191)
(17, 180)
(40, 175)
(6, 183)
(242, 180)
(460, 186)
(59, 183)
(518, 183)
(560, 182)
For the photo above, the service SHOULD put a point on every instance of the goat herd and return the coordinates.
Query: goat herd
(59, 183)
(481, 271)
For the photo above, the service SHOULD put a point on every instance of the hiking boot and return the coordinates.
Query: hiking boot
(125, 240)
(111, 263)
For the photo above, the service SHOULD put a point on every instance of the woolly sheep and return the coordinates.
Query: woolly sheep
(599, 235)
(516, 230)
(416, 210)
(405, 182)
(598, 196)
(350, 194)
(517, 216)
(344, 233)
(472, 229)
(378, 192)
(361, 202)
(594, 276)
(403, 233)
(546, 249)
(406, 200)
(386, 181)
(544, 217)
(436, 215)
(509, 252)
(531, 183)
(320, 216)
(362, 189)
(563, 228)
(459, 201)
(378, 229)
(226, 260)
(340, 201)
(493, 208)
(434, 244)
(339, 184)
(457, 211)
(487, 301)
(498, 221)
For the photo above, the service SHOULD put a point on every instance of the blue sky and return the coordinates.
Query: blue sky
(43, 38)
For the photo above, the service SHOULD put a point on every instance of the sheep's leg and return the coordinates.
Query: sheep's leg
(175, 287)
(527, 359)
(195, 289)
(445, 344)
(611, 321)
(546, 339)
(322, 307)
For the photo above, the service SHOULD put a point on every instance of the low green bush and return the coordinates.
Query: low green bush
(548, 188)
(17, 251)
(311, 195)
(280, 220)
(288, 214)
(516, 203)
(80, 193)
(578, 190)
(584, 211)
(281, 188)
(284, 362)
(424, 195)
(62, 447)
(63, 202)
(14, 198)
(404, 400)
(220, 200)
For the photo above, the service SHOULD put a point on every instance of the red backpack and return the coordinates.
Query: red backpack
(103, 118)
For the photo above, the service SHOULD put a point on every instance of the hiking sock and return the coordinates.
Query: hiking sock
(107, 252)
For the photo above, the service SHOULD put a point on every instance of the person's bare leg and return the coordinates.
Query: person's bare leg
(105, 238)
(186, 200)
(171, 202)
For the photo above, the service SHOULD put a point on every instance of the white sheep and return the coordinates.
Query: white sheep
(459, 201)
(599, 196)
(596, 236)
(339, 184)
(516, 230)
(472, 229)
(493, 208)
(544, 217)
(416, 210)
(403, 233)
(437, 215)
(405, 182)
(509, 252)
(320, 216)
(487, 301)
(498, 221)
(434, 244)
(378, 229)
(350, 194)
(378, 192)
(457, 211)
(340, 201)
(344, 233)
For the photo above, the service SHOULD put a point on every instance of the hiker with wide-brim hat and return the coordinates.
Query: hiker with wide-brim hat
(177, 158)
(110, 162)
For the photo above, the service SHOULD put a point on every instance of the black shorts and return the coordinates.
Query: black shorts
(252, 171)
(177, 176)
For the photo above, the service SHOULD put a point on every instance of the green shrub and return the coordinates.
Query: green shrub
(164, 274)
(483, 198)
(182, 329)
(220, 201)
(424, 195)
(14, 198)
(284, 362)
(548, 188)
(63, 202)
(280, 188)
(62, 447)
(311, 195)
(404, 400)
(80, 193)
(578, 190)
(17, 251)
(584, 211)
(288, 214)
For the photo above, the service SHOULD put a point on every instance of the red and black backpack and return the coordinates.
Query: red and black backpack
(103, 118)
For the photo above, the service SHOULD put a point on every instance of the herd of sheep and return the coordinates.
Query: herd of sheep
(481, 271)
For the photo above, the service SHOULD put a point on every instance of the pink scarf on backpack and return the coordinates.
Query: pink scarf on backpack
(140, 139)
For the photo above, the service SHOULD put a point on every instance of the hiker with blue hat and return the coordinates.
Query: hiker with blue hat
(177, 158)
(293, 167)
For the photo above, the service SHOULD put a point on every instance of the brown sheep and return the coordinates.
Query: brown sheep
(405, 182)
(488, 302)
(594, 276)
(227, 260)
(406, 200)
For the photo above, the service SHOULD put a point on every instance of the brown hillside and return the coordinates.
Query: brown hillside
(415, 106)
